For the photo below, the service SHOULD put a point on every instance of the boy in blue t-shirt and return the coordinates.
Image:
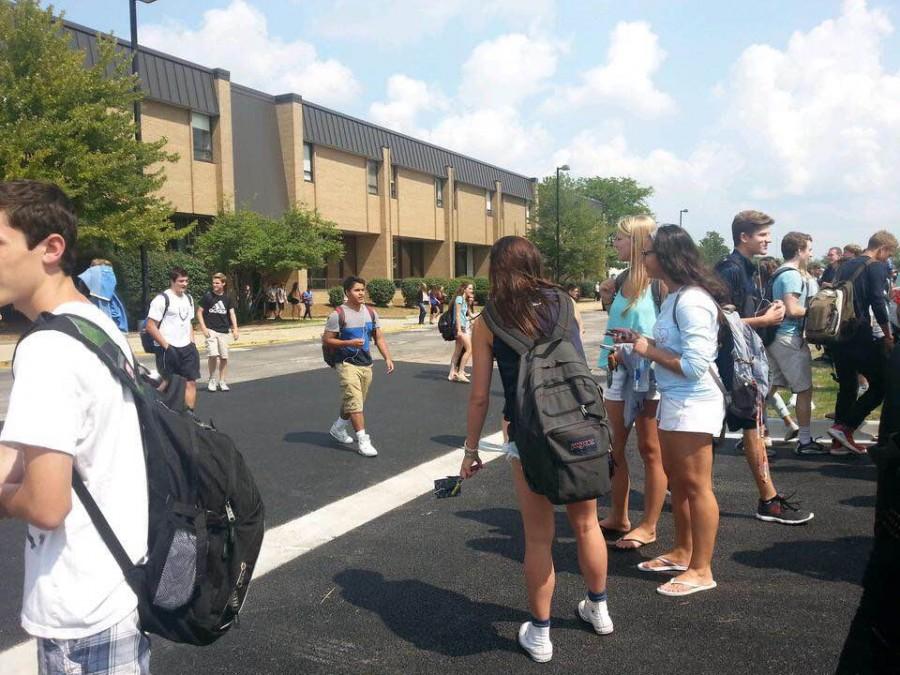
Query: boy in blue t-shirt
(790, 361)
(350, 330)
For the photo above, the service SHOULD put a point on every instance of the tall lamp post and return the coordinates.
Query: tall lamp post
(680, 216)
(145, 265)
(564, 167)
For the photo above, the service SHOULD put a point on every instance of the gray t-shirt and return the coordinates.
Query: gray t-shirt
(361, 323)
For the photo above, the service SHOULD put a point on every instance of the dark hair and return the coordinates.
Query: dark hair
(516, 274)
(38, 210)
(295, 287)
(767, 267)
(680, 259)
(351, 281)
(177, 272)
(749, 223)
(571, 287)
(793, 243)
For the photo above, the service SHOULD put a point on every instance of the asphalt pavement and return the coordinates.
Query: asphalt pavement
(436, 585)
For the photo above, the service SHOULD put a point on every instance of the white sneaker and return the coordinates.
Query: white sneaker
(366, 449)
(596, 614)
(223, 386)
(339, 432)
(211, 386)
(536, 642)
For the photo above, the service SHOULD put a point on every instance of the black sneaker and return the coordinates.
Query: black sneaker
(780, 510)
(810, 448)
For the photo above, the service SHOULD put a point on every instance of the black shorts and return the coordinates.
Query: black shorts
(736, 423)
(184, 361)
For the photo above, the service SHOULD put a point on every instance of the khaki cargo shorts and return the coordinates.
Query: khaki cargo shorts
(355, 382)
(217, 344)
(790, 363)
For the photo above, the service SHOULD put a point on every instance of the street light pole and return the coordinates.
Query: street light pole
(564, 167)
(145, 263)
(680, 214)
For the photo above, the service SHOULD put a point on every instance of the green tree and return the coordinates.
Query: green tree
(582, 230)
(713, 248)
(245, 243)
(616, 197)
(73, 125)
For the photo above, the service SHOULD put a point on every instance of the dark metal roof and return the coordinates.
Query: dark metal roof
(327, 127)
(163, 78)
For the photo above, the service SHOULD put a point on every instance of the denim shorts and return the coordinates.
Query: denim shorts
(512, 452)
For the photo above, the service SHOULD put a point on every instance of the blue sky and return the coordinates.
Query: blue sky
(792, 107)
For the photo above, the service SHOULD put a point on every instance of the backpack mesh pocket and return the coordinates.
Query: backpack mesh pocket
(176, 583)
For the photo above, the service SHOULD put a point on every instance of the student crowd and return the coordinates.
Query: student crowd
(669, 378)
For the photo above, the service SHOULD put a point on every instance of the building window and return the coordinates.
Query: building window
(201, 126)
(527, 212)
(372, 176)
(307, 162)
(439, 192)
(489, 201)
(394, 182)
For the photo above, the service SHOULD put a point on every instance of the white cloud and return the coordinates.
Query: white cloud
(403, 22)
(237, 38)
(508, 69)
(495, 135)
(625, 80)
(822, 116)
(407, 98)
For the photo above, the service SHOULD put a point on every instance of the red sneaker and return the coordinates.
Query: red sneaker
(843, 437)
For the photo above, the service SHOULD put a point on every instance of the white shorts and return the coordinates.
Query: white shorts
(790, 363)
(616, 383)
(217, 344)
(693, 415)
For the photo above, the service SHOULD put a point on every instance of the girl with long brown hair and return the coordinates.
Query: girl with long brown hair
(463, 351)
(524, 300)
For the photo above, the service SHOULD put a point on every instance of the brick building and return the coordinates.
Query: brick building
(406, 208)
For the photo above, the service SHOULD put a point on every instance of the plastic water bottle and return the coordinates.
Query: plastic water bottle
(642, 376)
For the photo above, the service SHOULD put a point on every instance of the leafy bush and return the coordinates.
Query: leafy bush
(381, 291)
(128, 273)
(336, 296)
(587, 289)
(482, 288)
(410, 290)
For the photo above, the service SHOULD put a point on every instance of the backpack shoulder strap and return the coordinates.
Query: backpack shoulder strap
(621, 278)
(513, 338)
(342, 320)
(566, 314)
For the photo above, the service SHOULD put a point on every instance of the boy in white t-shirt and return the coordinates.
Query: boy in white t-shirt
(169, 322)
(68, 413)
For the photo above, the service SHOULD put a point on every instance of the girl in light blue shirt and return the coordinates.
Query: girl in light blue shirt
(691, 407)
(634, 307)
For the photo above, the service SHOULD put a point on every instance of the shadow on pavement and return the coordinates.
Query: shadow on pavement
(855, 469)
(320, 438)
(863, 501)
(842, 559)
(431, 618)
(449, 440)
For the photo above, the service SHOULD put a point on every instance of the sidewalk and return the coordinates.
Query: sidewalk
(271, 333)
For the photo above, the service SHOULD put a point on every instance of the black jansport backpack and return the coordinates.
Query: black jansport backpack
(206, 517)
(447, 324)
(560, 430)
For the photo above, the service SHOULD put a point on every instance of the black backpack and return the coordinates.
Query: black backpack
(560, 426)
(447, 324)
(206, 517)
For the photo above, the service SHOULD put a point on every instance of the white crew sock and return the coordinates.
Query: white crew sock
(361, 434)
(805, 435)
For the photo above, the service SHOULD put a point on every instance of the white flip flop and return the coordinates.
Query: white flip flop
(691, 588)
(668, 566)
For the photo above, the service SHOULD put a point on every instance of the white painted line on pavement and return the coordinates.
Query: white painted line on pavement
(289, 541)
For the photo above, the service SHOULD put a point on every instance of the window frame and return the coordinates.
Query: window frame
(308, 175)
(439, 192)
(371, 188)
(198, 152)
(489, 202)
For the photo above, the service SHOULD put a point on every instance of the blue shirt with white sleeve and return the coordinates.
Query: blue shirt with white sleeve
(693, 337)
(790, 281)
